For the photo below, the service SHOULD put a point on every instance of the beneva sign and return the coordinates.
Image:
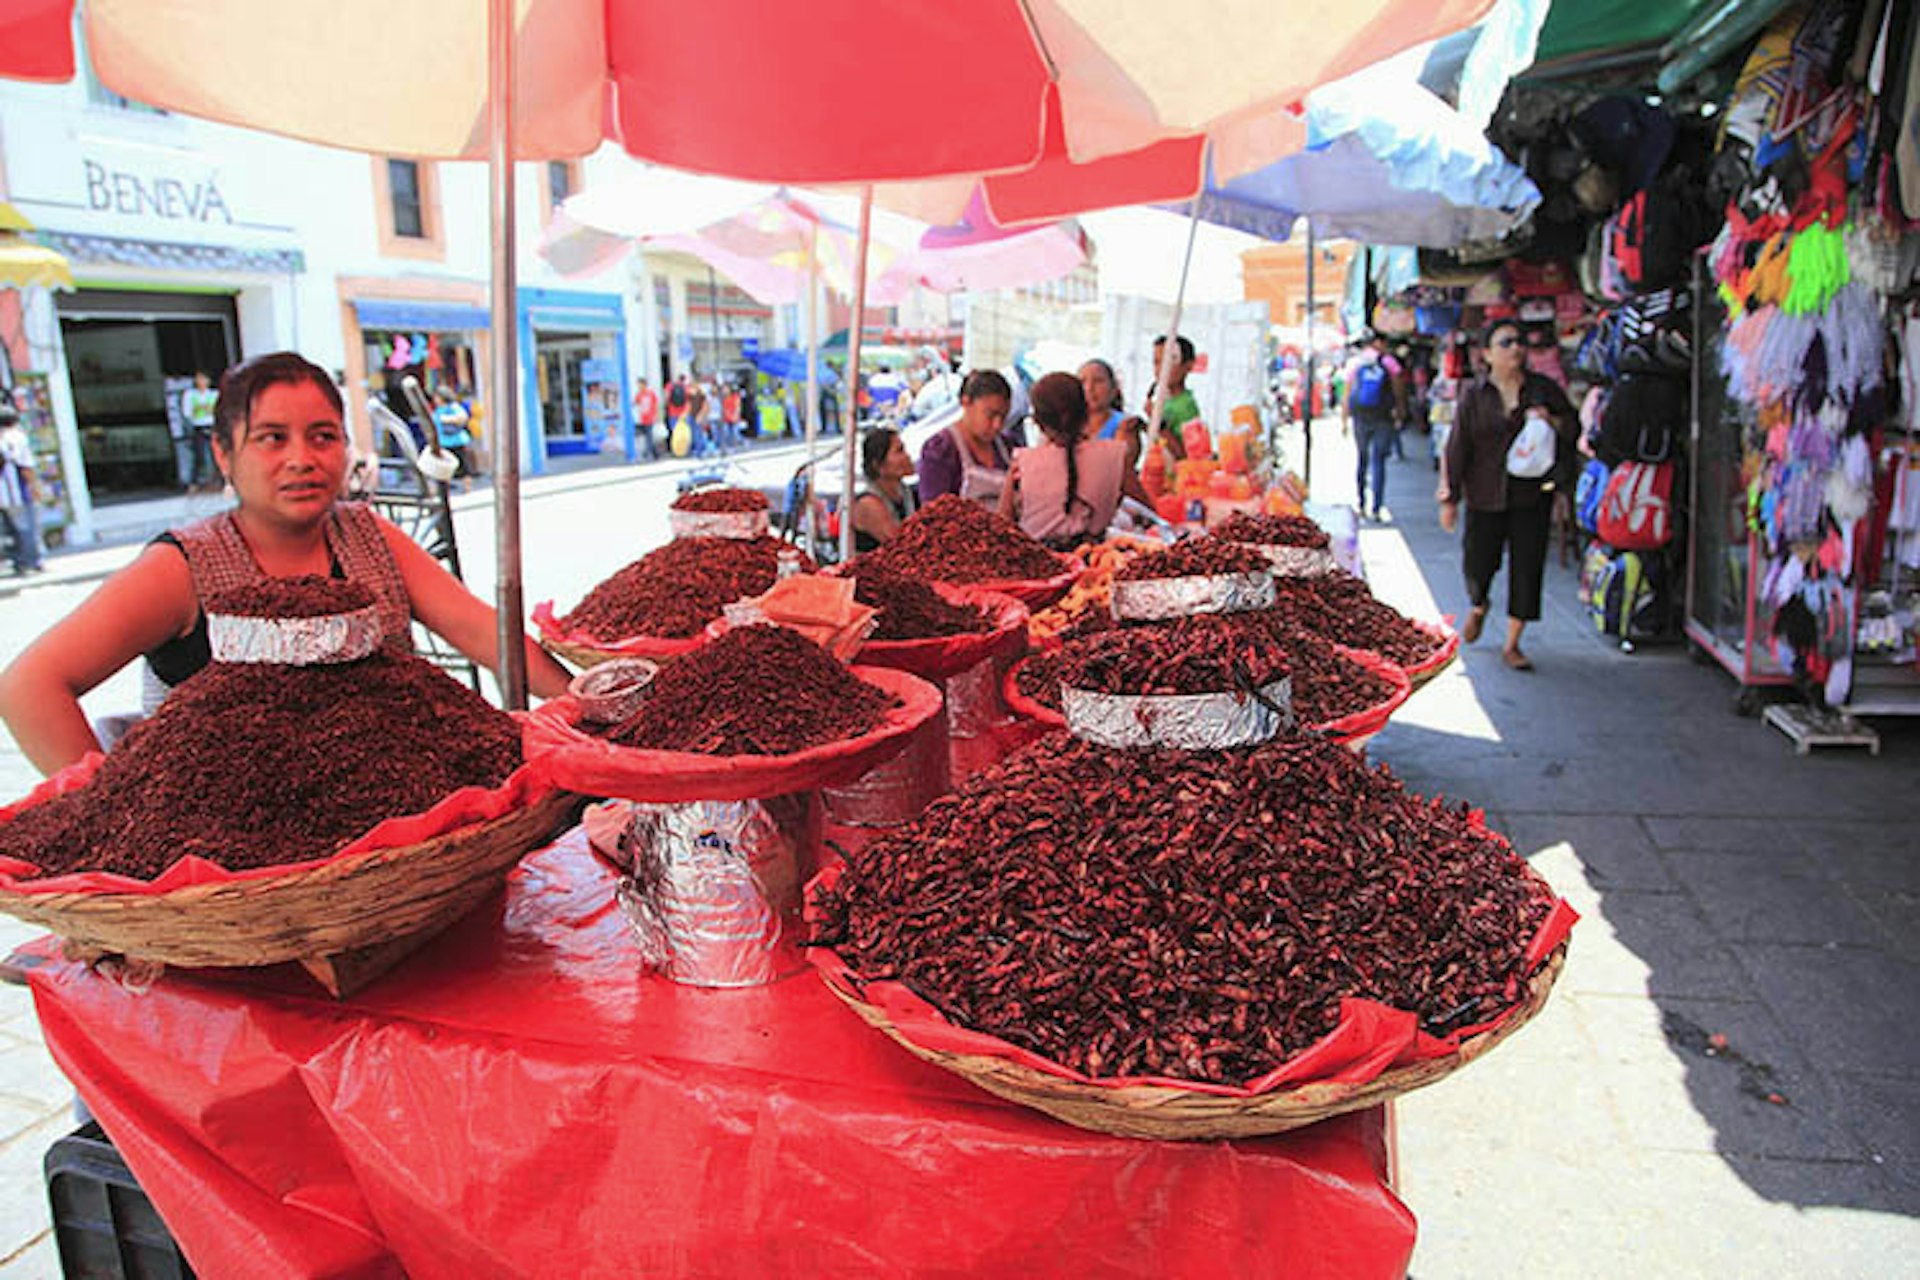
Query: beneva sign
(154, 195)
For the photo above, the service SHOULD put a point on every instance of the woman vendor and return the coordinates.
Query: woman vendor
(1065, 490)
(886, 500)
(280, 440)
(1508, 515)
(970, 458)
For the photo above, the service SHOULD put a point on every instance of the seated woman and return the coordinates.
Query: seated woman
(281, 443)
(1066, 490)
(886, 500)
(970, 457)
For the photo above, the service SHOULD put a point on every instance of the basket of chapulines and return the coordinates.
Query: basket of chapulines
(1201, 575)
(1346, 694)
(961, 543)
(759, 711)
(1340, 607)
(1190, 944)
(719, 513)
(935, 630)
(309, 796)
(1295, 546)
(659, 606)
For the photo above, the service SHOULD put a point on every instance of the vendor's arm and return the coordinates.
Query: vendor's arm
(938, 468)
(1130, 487)
(134, 612)
(1009, 504)
(445, 606)
(873, 517)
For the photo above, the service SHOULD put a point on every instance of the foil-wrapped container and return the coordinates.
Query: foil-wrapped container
(1150, 599)
(614, 690)
(741, 525)
(1189, 721)
(321, 640)
(712, 891)
(1297, 562)
(899, 790)
(974, 702)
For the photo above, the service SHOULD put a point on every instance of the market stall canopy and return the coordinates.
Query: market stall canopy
(1387, 163)
(978, 254)
(829, 91)
(25, 264)
(1671, 42)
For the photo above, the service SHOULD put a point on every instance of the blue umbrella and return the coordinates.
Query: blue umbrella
(790, 364)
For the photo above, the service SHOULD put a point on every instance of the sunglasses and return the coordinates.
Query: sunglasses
(1508, 341)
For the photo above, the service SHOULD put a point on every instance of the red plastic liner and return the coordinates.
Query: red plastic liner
(938, 657)
(655, 647)
(1369, 1039)
(579, 761)
(1421, 672)
(459, 809)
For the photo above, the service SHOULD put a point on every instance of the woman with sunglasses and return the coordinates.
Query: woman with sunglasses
(1508, 515)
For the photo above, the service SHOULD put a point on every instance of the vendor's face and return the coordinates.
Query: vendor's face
(898, 465)
(1098, 385)
(983, 417)
(289, 459)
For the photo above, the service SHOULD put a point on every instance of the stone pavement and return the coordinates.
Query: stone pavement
(1725, 1080)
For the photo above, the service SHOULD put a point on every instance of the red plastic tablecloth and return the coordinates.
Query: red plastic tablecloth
(520, 1100)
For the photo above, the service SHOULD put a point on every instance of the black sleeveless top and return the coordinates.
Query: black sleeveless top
(864, 541)
(182, 656)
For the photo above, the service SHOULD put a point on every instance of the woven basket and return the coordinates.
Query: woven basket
(1423, 672)
(342, 905)
(1155, 1111)
(580, 656)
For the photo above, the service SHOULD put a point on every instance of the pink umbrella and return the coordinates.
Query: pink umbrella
(977, 254)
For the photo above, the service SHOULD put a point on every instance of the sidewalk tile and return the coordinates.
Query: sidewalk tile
(1767, 898)
(1652, 944)
(1855, 1008)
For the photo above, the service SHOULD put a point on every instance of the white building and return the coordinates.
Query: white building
(197, 244)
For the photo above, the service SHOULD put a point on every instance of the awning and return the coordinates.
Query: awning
(25, 265)
(389, 313)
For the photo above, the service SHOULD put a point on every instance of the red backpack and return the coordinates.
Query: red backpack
(1636, 512)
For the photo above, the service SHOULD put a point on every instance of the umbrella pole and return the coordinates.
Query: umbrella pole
(810, 413)
(853, 370)
(1169, 351)
(511, 661)
(1308, 386)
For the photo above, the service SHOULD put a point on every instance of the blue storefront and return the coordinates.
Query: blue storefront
(575, 381)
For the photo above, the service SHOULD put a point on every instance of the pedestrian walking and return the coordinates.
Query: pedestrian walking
(196, 408)
(1508, 489)
(646, 417)
(19, 490)
(1376, 404)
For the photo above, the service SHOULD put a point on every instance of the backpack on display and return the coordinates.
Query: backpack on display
(1656, 333)
(1592, 564)
(1652, 234)
(1627, 600)
(1588, 493)
(1636, 508)
(1644, 420)
(1597, 358)
(1370, 385)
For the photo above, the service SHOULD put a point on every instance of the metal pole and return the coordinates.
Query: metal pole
(1169, 351)
(810, 412)
(853, 370)
(1306, 400)
(713, 317)
(511, 664)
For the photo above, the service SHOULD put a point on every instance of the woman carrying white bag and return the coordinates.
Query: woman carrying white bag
(1514, 432)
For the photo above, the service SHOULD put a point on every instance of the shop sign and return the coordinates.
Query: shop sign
(600, 404)
(192, 198)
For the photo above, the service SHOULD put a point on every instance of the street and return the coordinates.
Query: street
(1725, 1080)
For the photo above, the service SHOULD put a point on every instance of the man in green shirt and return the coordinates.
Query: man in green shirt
(1178, 406)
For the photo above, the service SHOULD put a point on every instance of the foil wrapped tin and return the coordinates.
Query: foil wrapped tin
(1297, 562)
(1190, 721)
(1151, 599)
(740, 525)
(614, 690)
(712, 892)
(295, 642)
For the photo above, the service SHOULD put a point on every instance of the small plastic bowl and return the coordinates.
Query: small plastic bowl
(613, 690)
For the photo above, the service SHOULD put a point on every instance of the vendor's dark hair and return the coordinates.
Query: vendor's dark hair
(1113, 380)
(1186, 348)
(1493, 327)
(241, 385)
(875, 445)
(1060, 411)
(985, 382)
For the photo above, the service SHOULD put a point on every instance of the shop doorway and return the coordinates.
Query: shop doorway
(570, 370)
(129, 356)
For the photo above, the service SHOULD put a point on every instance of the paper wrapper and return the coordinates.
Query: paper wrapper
(740, 525)
(1151, 599)
(712, 891)
(1297, 562)
(295, 642)
(1191, 722)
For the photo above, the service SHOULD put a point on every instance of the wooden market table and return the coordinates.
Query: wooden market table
(519, 1099)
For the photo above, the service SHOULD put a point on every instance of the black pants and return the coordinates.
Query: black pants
(1521, 534)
